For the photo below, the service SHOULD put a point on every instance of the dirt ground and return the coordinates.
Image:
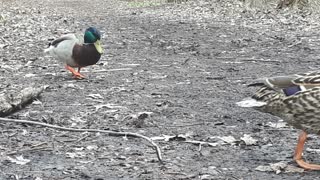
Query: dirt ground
(184, 64)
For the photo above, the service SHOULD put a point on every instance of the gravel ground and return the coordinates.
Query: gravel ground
(181, 65)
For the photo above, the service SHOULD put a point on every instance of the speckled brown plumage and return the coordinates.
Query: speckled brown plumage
(295, 99)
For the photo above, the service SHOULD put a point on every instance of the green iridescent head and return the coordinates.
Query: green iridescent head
(93, 35)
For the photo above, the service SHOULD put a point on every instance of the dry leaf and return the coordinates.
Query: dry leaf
(248, 140)
(73, 155)
(109, 106)
(18, 160)
(279, 124)
(228, 139)
(95, 96)
(279, 167)
(37, 102)
(313, 150)
(92, 147)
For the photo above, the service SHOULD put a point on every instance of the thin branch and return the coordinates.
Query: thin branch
(8, 42)
(110, 133)
(110, 70)
(31, 149)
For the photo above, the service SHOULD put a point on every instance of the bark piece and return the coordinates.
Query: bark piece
(12, 102)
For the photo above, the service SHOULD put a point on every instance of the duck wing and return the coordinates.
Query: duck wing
(62, 49)
(278, 83)
(56, 42)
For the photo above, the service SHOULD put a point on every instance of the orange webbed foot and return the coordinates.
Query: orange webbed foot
(307, 166)
(298, 154)
(75, 74)
(78, 76)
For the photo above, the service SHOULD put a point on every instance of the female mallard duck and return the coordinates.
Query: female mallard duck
(73, 53)
(296, 99)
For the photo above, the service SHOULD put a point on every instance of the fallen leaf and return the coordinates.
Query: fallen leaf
(248, 140)
(28, 63)
(37, 102)
(18, 160)
(228, 139)
(73, 155)
(264, 168)
(24, 132)
(3, 46)
(95, 96)
(279, 124)
(313, 150)
(109, 106)
(92, 147)
(293, 169)
(279, 167)
(70, 85)
(205, 177)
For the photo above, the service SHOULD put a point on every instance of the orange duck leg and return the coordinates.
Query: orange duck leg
(75, 74)
(298, 154)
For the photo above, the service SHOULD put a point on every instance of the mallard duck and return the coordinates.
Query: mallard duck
(69, 49)
(294, 98)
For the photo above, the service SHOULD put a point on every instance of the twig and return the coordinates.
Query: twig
(110, 70)
(31, 149)
(186, 125)
(110, 133)
(82, 138)
(40, 144)
(201, 143)
(260, 60)
(8, 42)
(241, 60)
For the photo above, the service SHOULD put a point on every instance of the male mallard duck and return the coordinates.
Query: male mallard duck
(294, 98)
(69, 49)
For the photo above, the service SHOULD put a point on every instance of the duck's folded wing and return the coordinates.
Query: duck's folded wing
(63, 38)
(276, 83)
(309, 80)
(288, 85)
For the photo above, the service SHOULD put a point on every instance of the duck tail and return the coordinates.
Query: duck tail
(256, 84)
(250, 102)
(48, 50)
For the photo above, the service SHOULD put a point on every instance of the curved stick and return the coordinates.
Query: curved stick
(110, 133)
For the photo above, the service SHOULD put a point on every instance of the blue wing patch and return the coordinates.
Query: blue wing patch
(289, 91)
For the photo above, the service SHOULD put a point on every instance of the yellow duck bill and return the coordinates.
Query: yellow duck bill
(97, 44)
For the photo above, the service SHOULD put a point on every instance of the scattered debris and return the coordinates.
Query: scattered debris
(11, 102)
(279, 124)
(313, 150)
(95, 96)
(227, 139)
(248, 140)
(29, 75)
(280, 167)
(18, 160)
(73, 155)
(110, 133)
(108, 106)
